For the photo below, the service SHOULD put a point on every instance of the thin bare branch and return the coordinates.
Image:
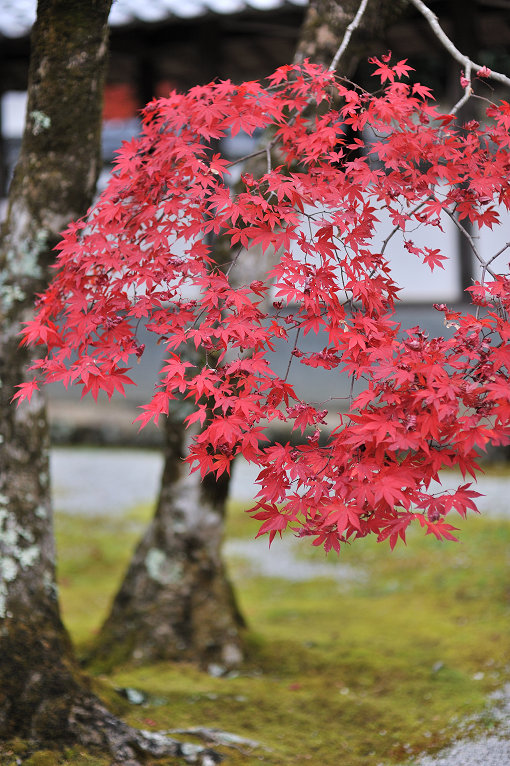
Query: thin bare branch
(245, 157)
(486, 265)
(500, 252)
(234, 260)
(291, 356)
(468, 90)
(397, 228)
(348, 33)
(450, 47)
(471, 241)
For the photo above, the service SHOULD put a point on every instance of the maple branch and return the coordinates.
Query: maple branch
(468, 90)
(450, 47)
(234, 260)
(471, 241)
(291, 357)
(348, 34)
(500, 252)
(257, 153)
(398, 228)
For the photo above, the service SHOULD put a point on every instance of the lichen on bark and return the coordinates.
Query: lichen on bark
(44, 697)
(53, 182)
(176, 602)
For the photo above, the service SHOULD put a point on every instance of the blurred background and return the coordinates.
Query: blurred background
(158, 45)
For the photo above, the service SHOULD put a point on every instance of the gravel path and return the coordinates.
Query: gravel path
(99, 482)
(487, 751)
(491, 750)
(96, 482)
(104, 482)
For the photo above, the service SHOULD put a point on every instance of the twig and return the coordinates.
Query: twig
(471, 241)
(256, 153)
(298, 332)
(500, 252)
(486, 264)
(348, 33)
(397, 228)
(234, 260)
(448, 44)
(468, 90)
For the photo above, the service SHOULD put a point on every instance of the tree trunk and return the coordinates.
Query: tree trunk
(176, 602)
(53, 183)
(325, 25)
(44, 697)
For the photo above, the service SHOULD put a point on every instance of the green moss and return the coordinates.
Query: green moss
(238, 523)
(92, 557)
(370, 671)
(42, 758)
(12, 752)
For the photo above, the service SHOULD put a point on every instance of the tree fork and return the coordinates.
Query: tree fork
(176, 601)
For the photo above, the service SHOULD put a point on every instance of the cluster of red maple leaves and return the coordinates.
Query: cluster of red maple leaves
(426, 404)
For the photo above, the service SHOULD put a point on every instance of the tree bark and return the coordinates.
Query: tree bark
(44, 697)
(53, 183)
(176, 602)
(325, 25)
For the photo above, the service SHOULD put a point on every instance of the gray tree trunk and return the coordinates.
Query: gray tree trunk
(43, 696)
(176, 602)
(325, 25)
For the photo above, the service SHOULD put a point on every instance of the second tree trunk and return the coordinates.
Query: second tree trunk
(176, 602)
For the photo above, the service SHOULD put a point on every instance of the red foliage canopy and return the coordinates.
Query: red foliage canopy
(428, 403)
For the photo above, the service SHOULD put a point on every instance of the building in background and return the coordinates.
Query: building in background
(154, 45)
(161, 44)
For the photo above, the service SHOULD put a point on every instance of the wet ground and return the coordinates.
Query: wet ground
(99, 481)
(110, 482)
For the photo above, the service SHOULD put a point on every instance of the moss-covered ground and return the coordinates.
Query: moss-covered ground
(398, 659)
